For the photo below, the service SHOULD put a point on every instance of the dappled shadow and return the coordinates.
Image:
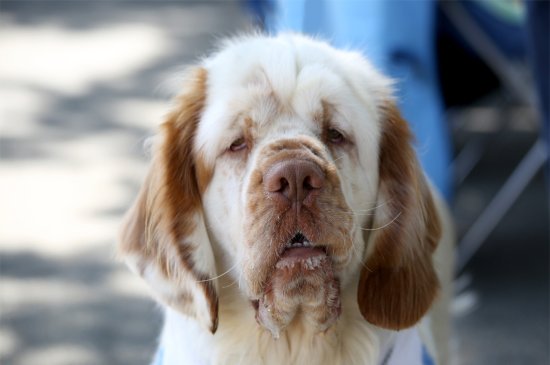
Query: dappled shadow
(20, 149)
(82, 16)
(76, 305)
(86, 268)
(90, 313)
(73, 115)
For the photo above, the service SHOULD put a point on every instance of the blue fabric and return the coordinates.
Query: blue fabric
(426, 358)
(158, 359)
(398, 37)
(259, 9)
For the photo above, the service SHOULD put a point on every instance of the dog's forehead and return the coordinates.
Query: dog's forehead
(278, 80)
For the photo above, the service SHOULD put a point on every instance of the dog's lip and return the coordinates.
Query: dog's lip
(306, 258)
(299, 246)
(299, 253)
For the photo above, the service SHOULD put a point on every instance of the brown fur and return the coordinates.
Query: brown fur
(399, 283)
(157, 227)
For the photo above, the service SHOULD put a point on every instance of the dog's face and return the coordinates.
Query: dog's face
(286, 160)
(294, 155)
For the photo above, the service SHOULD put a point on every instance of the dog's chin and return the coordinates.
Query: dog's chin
(302, 287)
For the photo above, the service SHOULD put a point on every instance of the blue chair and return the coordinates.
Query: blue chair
(406, 53)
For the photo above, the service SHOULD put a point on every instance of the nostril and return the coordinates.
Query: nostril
(307, 184)
(283, 185)
(312, 182)
(275, 183)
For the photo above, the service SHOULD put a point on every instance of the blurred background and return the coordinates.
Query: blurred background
(84, 83)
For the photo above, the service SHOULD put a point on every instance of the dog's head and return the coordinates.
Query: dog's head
(287, 162)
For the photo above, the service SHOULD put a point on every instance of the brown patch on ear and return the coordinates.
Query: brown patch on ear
(190, 173)
(164, 229)
(399, 282)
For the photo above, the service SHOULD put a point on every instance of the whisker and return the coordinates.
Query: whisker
(384, 226)
(230, 285)
(369, 211)
(366, 267)
(378, 206)
(361, 214)
(354, 248)
(219, 276)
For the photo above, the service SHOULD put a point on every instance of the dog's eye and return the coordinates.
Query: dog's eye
(335, 136)
(238, 145)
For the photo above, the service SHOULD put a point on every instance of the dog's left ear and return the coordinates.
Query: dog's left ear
(398, 282)
(164, 237)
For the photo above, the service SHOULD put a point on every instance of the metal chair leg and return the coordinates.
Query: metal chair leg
(501, 203)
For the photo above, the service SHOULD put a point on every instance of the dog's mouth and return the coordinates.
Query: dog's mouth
(300, 251)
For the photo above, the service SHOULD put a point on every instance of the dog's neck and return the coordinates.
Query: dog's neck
(240, 340)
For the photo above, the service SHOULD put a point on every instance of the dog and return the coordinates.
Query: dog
(285, 218)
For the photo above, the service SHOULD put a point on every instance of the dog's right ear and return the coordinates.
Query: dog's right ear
(398, 283)
(164, 238)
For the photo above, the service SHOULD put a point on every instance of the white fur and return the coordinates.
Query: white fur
(241, 341)
(243, 78)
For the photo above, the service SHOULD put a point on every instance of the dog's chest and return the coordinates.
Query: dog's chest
(184, 343)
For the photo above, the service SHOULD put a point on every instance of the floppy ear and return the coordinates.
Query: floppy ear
(164, 237)
(398, 282)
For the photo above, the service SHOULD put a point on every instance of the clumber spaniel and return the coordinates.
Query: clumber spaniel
(284, 218)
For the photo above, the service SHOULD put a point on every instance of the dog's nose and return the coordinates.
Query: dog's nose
(294, 181)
